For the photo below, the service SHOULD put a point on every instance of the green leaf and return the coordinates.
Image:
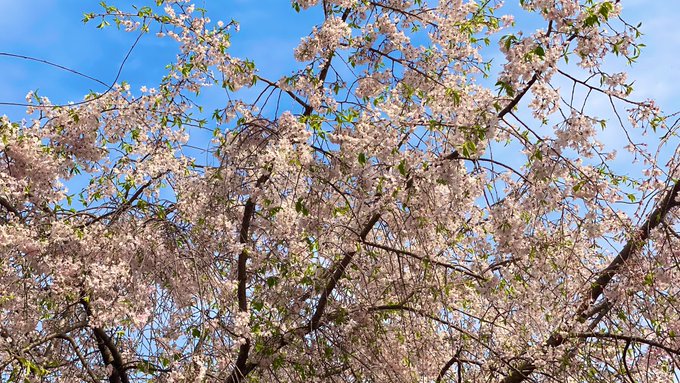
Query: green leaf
(505, 87)
(539, 51)
(165, 362)
(87, 17)
(578, 186)
(402, 167)
(273, 211)
(468, 149)
(146, 367)
(272, 281)
(508, 40)
(144, 11)
(605, 8)
(591, 20)
(196, 333)
(454, 95)
(340, 210)
(362, 159)
(300, 207)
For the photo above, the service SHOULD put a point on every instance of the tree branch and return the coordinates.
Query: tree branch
(605, 276)
(80, 356)
(448, 365)
(338, 271)
(627, 338)
(108, 350)
(241, 368)
(5, 203)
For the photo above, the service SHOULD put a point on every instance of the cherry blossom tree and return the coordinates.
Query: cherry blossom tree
(396, 210)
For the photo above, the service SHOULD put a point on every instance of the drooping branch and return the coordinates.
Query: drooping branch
(89, 99)
(326, 67)
(513, 103)
(455, 359)
(292, 95)
(129, 200)
(457, 268)
(80, 356)
(241, 369)
(627, 338)
(446, 367)
(338, 270)
(8, 206)
(605, 276)
(108, 350)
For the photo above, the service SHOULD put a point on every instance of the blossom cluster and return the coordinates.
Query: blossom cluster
(392, 217)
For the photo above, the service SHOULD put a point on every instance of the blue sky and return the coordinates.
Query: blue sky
(270, 29)
(52, 30)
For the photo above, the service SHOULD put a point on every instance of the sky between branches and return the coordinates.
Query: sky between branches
(269, 30)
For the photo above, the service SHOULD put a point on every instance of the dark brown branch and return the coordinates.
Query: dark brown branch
(448, 365)
(108, 350)
(518, 97)
(627, 338)
(126, 204)
(605, 276)
(401, 307)
(508, 108)
(460, 269)
(5, 203)
(338, 272)
(80, 356)
(242, 368)
(242, 373)
(521, 373)
(625, 361)
(326, 67)
(288, 92)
